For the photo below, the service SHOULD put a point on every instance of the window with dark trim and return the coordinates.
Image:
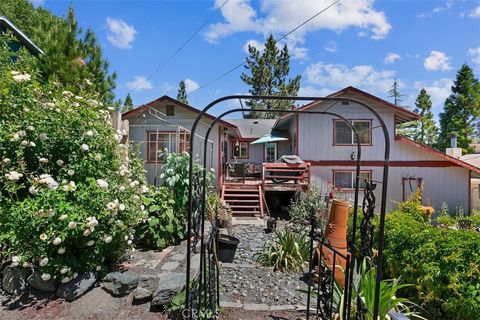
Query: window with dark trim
(343, 135)
(170, 110)
(158, 142)
(343, 179)
(240, 149)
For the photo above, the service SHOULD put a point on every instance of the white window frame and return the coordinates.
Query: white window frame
(352, 138)
(352, 185)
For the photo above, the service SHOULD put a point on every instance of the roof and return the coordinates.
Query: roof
(440, 154)
(6, 24)
(139, 109)
(402, 115)
(473, 159)
(253, 128)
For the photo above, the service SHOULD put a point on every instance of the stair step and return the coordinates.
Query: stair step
(242, 190)
(243, 200)
(241, 195)
(244, 207)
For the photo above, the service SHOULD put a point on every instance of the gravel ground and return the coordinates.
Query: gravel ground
(245, 281)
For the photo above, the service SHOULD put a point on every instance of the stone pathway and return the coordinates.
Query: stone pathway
(245, 284)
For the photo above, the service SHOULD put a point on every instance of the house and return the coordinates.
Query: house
(246, 172)
(474, 160)
(23, 40)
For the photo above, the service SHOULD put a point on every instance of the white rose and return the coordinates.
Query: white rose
(16, 259)
(64, 270)
(46, 277)
(27, 264)
(33, 190)
(57, 241)
(70, 172)
(85, 147)
(66, 279)
(60, 163)
(97, 157)
(102, 183)
(43, 237)
(87, 232)
(61, 250)
(89, 133)
(129, 242)
(122, 188)
(107, 239)
(72, 225)
(32, 144)
(90, 243)
(63, 217)
(43, 160)
(121, 207)
(6, 161)
(43, 262)
(43, 136)
(24, 143)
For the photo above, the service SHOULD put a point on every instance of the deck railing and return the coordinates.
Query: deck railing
(296, 176)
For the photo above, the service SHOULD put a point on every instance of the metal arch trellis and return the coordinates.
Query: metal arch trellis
(200, 195)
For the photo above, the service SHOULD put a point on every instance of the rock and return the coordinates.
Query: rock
(76, 287)
(36, 282)
(177, 257)
(15, 279)
(120, 284)
(168, 286)
(170, 266)
(147, 285)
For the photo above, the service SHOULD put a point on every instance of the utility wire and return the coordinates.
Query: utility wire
(164, 63)
(280, 39)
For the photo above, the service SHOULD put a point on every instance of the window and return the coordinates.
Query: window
(346, 179)
(478, 190)
(240, 149)
(271, 152)
(157, 143)
(184, 142)
(343, 135)
(170, 110)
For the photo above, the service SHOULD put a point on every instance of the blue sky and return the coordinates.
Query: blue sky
(363, 43)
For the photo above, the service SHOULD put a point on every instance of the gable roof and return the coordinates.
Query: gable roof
(440, 154)
(402, 115)
(139, 109)
(253, 128)
(6, 24)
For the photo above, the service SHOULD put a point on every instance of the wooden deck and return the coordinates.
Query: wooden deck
(246, 195)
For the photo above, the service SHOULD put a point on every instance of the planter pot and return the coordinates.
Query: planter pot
(227, 245)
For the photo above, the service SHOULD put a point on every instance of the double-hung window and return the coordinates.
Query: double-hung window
(240, 149)
(343, 135)
(346, 179)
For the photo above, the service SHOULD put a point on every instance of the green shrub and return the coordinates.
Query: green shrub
(307, 203)
(69, 190)
(162, 227)
(288, 253)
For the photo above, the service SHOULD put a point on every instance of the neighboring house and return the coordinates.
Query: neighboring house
(23, 40)
(324, 142)
(474, 159)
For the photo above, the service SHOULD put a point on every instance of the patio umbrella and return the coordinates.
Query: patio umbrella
(269, 138)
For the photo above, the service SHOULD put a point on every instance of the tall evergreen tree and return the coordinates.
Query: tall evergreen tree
(268, 76)
(394, 93)
(461, 111)
(71, 55)
(425, 130)
(128, 104)
(182, 92)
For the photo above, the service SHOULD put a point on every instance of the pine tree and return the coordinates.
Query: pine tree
(128, 104)
(425, 130)
(269, 70)
(71, 55)
(182, 93)
(461, 111)
(394, 93)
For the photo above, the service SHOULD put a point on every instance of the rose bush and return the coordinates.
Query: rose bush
(70, 190)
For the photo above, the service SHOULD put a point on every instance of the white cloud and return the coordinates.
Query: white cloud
(279, 17)
(295, 51)
(311, 91)
(437, 61)
(139, 83)
(475, 55)
(364, 77)
(475, 14)
(37, 3)
(391, 58)
(121, 34)
(448, 4)
(331, 47)
(167, 87)
(254, 43)
(438, 90)
(191, 85)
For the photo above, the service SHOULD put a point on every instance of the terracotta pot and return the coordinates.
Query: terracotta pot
(336, 235)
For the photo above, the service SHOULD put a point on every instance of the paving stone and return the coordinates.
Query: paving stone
(283, 307)
(120, 283)
(256, 307)
(76, 287)
(230, 304)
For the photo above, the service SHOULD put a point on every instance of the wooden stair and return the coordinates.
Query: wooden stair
(244, 200)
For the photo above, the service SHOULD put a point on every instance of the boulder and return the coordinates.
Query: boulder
(168, 286)
(76, 287)
(15, 279)
(147, 284)
(120, 283)
(36, 282)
